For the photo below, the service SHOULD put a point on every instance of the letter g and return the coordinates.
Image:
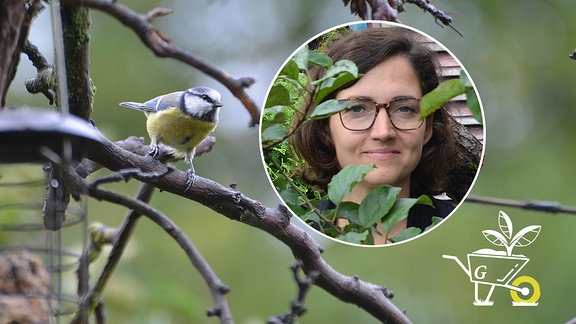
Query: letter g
(480, 274)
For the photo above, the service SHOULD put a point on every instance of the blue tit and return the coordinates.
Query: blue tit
(180, 120)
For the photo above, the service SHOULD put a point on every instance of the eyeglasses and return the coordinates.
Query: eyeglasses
(404, 113)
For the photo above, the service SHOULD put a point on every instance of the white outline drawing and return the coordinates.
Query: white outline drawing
(489, 268)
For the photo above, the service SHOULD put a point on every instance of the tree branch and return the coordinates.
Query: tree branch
(218, 289)
(234, 205)
(75, 25)
(297, 307)
(43, 82)
(544, 206)
(15, 20)
(119, 240)
(388, 10)
(160, 45)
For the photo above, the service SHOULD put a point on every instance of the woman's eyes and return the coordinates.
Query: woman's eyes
(357, 109)
(406, 109)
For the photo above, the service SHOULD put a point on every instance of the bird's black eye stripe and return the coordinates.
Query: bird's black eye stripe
(206, 97)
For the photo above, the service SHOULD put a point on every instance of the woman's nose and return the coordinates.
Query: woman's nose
(382, 127)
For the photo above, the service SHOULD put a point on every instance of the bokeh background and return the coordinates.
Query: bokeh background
(515, 51)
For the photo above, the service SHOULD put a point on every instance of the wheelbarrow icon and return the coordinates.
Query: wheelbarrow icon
(489, 269)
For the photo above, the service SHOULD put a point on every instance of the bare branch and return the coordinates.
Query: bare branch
(15, 21)
(135, 145)
(388, 10)
(438, 14)
(297, 309)
(161, 46)
(384, 10)
(217, 288)
(233, 204)
(544, 206)
(76, 37)
(43, 80)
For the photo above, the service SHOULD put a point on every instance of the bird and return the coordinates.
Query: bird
(180, 120)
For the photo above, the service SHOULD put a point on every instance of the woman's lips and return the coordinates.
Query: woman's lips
(384, 154)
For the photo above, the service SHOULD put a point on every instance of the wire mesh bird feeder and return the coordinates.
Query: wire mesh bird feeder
(42, 225)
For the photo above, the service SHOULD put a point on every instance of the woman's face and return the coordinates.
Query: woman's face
(395, 153)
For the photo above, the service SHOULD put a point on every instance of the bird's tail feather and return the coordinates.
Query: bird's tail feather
(132, 105)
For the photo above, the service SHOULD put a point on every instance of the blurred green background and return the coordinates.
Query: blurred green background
(515, 51)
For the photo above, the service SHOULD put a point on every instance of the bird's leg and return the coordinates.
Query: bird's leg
(191, 173)
(154, 149)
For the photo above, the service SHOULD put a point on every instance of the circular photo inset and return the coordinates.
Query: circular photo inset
(372, 133)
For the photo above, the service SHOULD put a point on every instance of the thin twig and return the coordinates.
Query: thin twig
(543, 206)
(388, 10)
(218, 289)
(161, 46)
(127, 174)
(297, 306)
(438, 14)
(91, 298)
(42, 81)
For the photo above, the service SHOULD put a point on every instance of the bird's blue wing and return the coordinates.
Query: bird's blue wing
(163, 102)
(159, 103)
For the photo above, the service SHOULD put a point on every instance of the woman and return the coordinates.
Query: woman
(383, 127)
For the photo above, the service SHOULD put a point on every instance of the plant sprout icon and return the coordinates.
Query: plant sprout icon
(524, 237)
(488, 268)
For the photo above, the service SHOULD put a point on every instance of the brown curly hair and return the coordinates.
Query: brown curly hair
(367, 48)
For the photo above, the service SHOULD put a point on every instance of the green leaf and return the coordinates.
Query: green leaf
(280, 183)
(273, 110)
(434, 99)
(377, 204)
(348, 210)
(343, 182)
(320, 59)
(342, 66)
(328, 108)
(435, 221)
(277, 117)
(354, 237)
(336, 76)
(290, 197)
(278, 96)
(474, 104)
(273, 132)
(311, 216)
(400, 210)
(408, 233)
(471, 98)
(465, 80)
(290, 70)
(301, 58)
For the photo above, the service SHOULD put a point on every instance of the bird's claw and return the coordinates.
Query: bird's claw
(154, 151)
(190, 179)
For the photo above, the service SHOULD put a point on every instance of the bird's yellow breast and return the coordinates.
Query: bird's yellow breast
(178, 130)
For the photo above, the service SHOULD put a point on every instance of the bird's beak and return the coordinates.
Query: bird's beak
(217, 104)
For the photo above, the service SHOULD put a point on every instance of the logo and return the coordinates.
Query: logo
(489, 269)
